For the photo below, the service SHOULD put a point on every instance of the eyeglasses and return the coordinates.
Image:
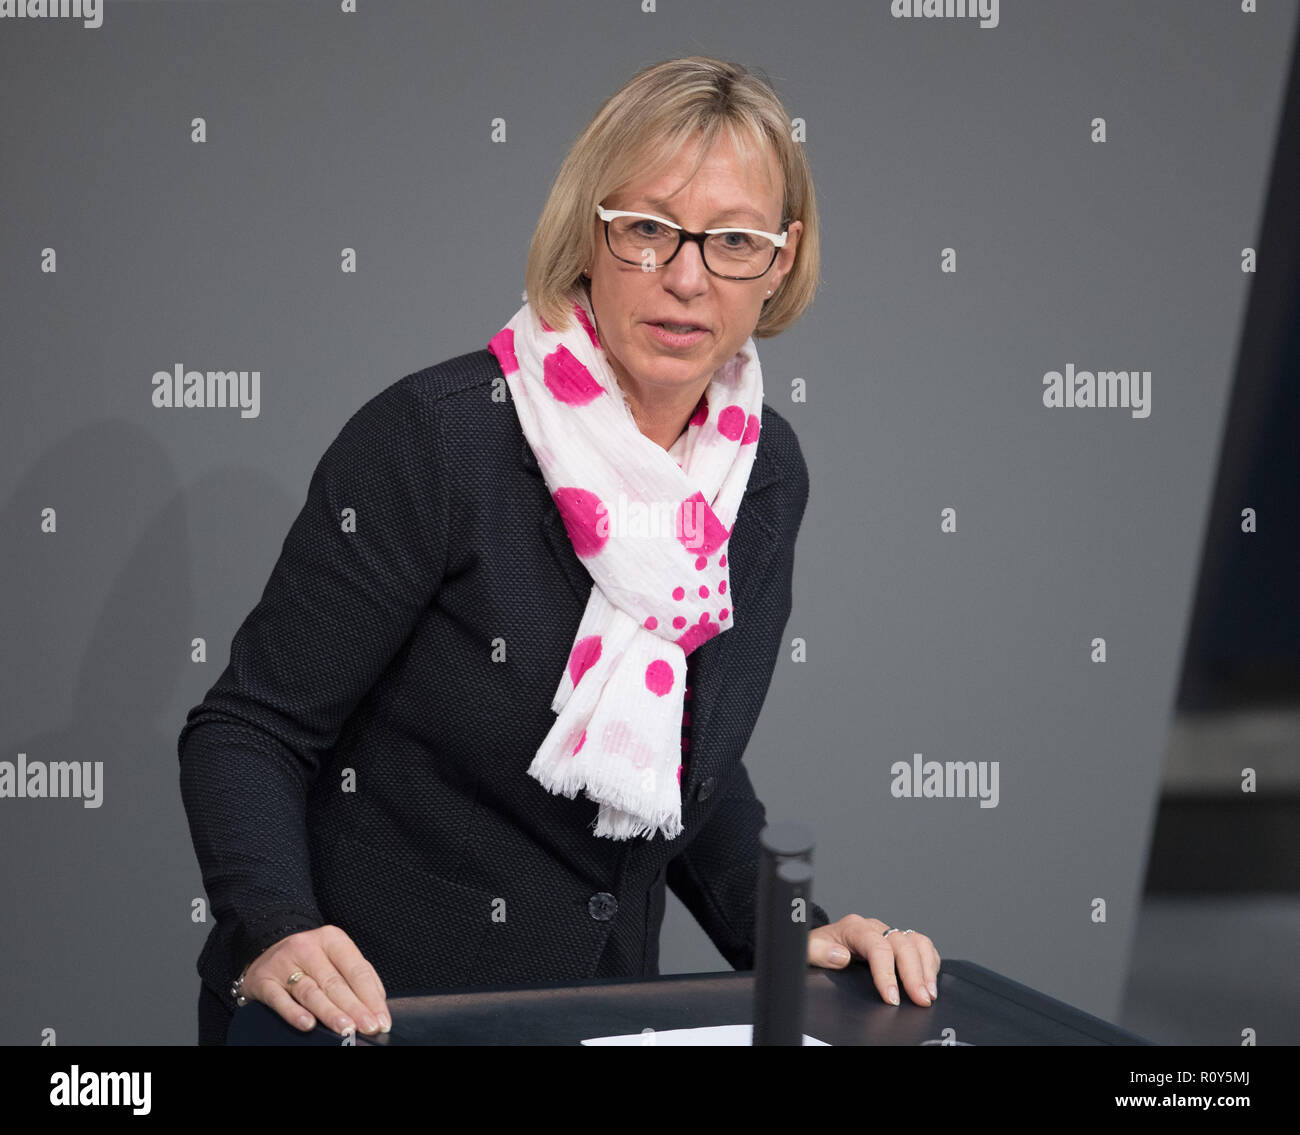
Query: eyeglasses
(733, 254)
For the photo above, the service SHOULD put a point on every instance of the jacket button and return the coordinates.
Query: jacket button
(602, 905)
(705, 790)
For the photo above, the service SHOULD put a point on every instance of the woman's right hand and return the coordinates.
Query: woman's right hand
(339, 987)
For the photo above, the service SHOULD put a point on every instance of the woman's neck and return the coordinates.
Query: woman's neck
(664, 419)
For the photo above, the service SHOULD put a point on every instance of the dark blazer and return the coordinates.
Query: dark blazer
(362, 759)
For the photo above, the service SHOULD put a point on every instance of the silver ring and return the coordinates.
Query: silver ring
(894, 930)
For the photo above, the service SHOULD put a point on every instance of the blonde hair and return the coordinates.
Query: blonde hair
(640, 128)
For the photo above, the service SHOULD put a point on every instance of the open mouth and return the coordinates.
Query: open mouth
(677, 336)
(679, 328)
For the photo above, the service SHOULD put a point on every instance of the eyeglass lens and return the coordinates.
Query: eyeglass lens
(640, 240)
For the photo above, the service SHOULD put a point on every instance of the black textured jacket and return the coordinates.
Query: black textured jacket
(362, 759)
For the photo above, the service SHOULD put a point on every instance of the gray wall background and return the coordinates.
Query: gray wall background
(372, 131)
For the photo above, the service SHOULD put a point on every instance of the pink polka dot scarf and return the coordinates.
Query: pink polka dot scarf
(653, 534)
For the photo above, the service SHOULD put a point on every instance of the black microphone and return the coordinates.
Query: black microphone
(781, 947)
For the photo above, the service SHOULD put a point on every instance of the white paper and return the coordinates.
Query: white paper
(709, 1035)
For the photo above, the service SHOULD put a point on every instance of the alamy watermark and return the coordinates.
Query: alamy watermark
(680, 520)
(986, 11)
(946, 779)
(89, 12)
(75, 780)
(186, 389)
(75, 1088)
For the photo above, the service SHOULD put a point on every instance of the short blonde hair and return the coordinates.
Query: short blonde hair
(637, 130)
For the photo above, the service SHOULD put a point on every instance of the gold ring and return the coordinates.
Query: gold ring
(298, 976)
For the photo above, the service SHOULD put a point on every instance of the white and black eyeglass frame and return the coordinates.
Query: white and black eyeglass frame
(777, 239)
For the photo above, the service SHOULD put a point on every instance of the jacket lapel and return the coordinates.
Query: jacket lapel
(556, 535)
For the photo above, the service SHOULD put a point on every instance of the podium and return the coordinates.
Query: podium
(780, 1002)
(975, 1006)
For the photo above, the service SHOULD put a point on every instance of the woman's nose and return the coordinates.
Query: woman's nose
(688, 265)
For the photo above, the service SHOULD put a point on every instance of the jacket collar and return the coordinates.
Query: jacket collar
(754, 537)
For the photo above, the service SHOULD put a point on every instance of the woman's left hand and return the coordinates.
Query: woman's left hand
(912, 952)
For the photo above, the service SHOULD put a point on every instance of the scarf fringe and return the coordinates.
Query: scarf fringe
(619, 816)
(622, 825)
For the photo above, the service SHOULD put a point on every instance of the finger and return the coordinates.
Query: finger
(911, 971)
(929, 963)
(869, 943)
(264, 988)
(319, 989)
(822, 949)
(371, 1005)
(337, 986)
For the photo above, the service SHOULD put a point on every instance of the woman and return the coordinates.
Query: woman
(386, 788)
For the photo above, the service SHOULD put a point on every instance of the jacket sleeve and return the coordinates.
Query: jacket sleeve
(716, 877)
(360, 562)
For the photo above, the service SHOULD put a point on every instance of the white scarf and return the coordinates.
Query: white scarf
(654, 537)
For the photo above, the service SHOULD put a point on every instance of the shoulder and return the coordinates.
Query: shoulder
(471, 373)
(428, 405)
(442, 390)
(780, 450)
(778, 433)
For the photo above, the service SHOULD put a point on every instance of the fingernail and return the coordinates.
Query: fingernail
(934, 989)
(345, 1027)
(384, 1023)
(304, 1022)
(839, 954)
(369, 1024)
(893, 995)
